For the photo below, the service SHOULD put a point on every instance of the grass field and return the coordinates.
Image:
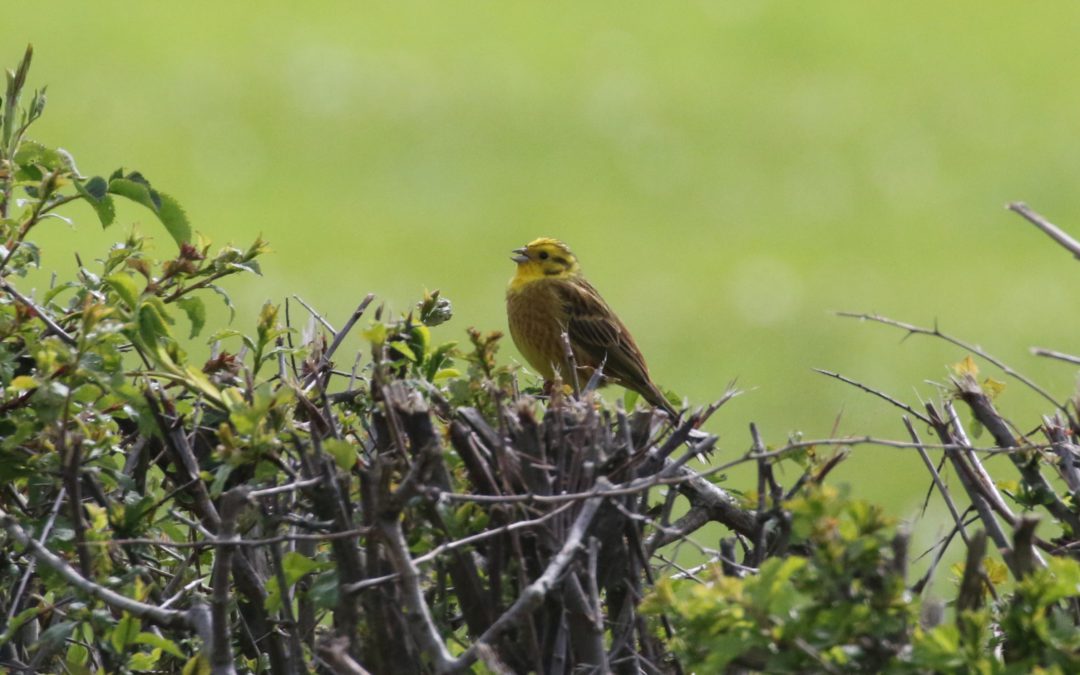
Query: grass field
(729, 174)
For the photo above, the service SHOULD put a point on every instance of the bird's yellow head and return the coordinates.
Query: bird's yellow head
(543, 258)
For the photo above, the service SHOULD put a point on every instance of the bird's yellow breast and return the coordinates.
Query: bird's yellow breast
(537, 320)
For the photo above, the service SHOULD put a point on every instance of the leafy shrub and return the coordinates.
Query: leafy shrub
(847, 607)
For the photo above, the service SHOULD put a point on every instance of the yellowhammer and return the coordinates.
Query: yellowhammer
(549, 296)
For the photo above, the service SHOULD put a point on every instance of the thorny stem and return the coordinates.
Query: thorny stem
(974, 349)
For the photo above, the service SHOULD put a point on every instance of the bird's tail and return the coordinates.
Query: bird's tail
(656, 398)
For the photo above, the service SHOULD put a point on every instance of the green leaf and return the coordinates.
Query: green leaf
(123, 284)
(138, 192)
(224, 334)
(249, 266)
(198, 381)
(272, 603)
(159, 642)
(95, 192)
(106, 211)
(31, 153)
(174, 219)
(323, 591)
(222, 475)
(17, 622)
(56, 290)
(226, 299)
(77, 656)
(96, 188)
(167, 209)
(125, 632)
(441, 356)
(196, 313)
(144, 660)
(22, 383)
(296, 565)
(771, 589)
(55, 637)
(1061, 579)
(376, 335)
(151, 324)
(403, 349)
(344, 453)
(446, 374)
(197, 665)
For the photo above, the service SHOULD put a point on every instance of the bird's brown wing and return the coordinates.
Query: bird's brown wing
(597, 334)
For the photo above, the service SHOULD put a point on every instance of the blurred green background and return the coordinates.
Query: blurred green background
(728, 173)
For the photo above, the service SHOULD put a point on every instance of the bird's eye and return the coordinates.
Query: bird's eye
(543, 255)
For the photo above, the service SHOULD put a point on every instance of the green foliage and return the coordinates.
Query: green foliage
(845, 605)
(78, 367)
(96, 371)
(845, 608)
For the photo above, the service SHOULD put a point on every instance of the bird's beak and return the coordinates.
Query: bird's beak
(520, 257)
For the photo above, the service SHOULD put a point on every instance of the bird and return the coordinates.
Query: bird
(548, 296)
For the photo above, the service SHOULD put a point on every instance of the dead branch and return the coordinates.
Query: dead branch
(537, 591)
(1028, 466)
(971, 584)
(1051, 230)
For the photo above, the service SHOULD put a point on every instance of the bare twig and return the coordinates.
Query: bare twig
(984, 484)
(697, 480)
(335, 651)
(1066, 451)
(958, 519)
(16, 598)
(880, 394)
(167, 618)
(971, 585)
(1051, 230)
(762, 516)
(418, 614)
(40, 312)
(470, 540)
(537, 591)
(318, 317)
(211, 542)
(1025, 559)
(1060, 356)
(693, 520)
(221, 657)
(177, 442)
(808, 649)
(1028, 466)
(568, 353)
(353, 318)
(971, 483)
(288, 487)
(974, 349)
(339, 336)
